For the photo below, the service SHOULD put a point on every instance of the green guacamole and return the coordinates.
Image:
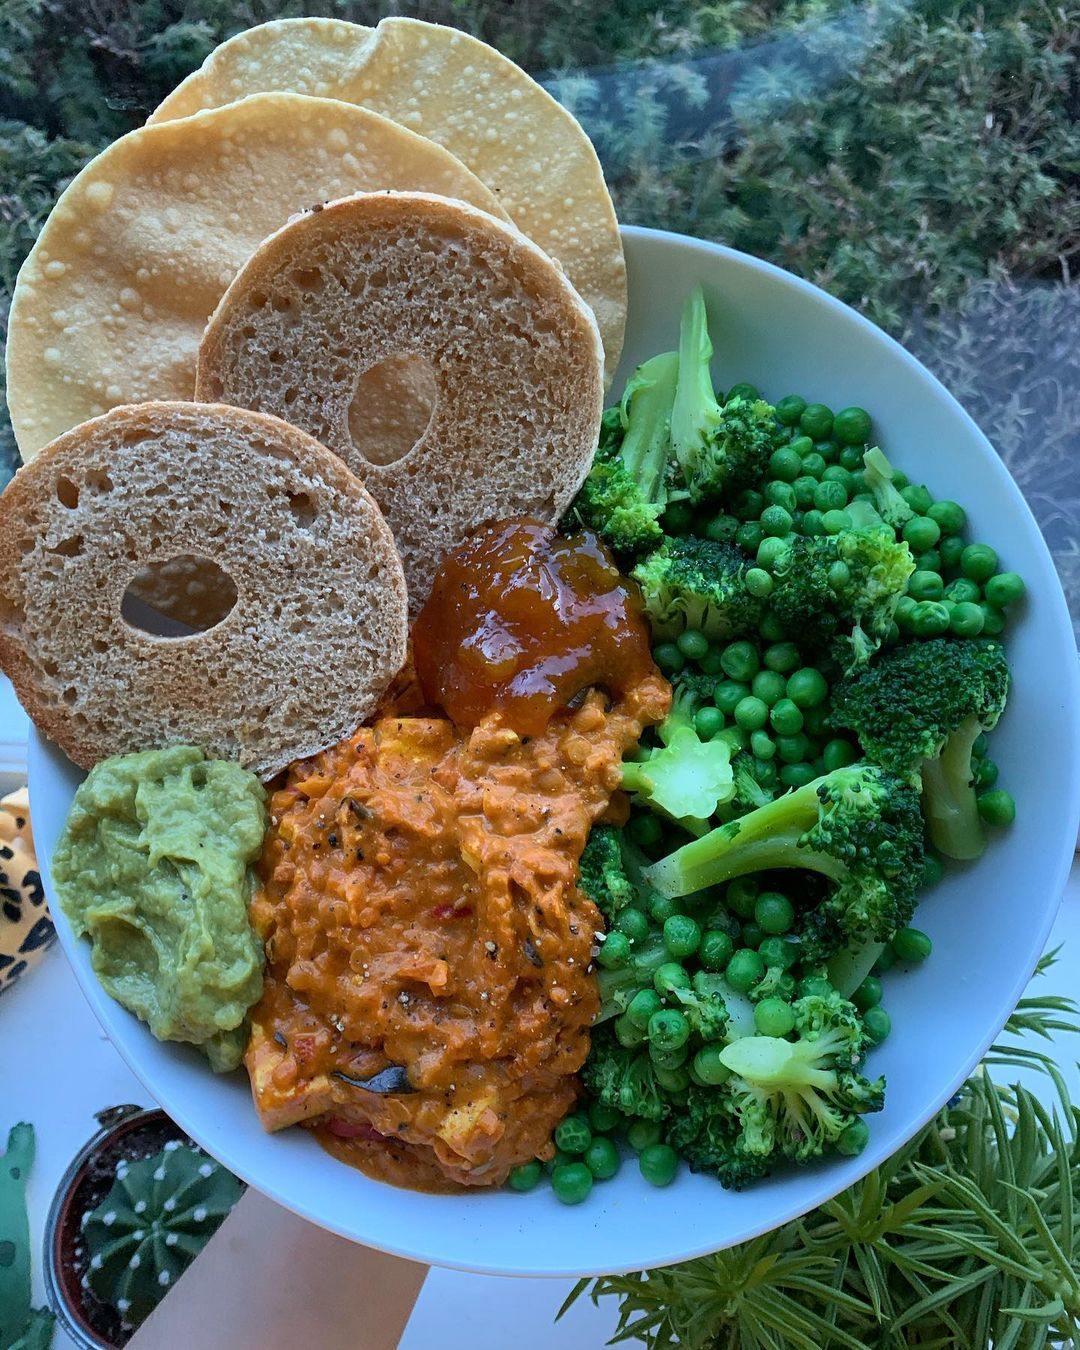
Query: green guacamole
(153, 866)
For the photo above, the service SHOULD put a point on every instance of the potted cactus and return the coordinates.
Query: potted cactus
(134, 1209)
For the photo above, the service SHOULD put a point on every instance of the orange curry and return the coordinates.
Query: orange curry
(429, 991)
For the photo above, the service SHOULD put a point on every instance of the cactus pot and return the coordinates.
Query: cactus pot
(128, 1135)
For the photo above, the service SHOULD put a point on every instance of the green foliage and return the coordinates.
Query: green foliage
(967, 1236)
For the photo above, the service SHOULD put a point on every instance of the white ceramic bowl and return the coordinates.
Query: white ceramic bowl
(989, 921)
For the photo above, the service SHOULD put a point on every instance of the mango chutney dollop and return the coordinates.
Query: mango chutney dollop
(430, 989)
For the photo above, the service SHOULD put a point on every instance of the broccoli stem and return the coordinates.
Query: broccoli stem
(646, 411)
(766, 838)
(696, 409)
(948, 797)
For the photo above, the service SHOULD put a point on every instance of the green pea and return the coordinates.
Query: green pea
(807, 687)
(986, 773)
(885, 962)
(708, 721)
(925, 586)
(774, 913)
(747, 392)
(614, 951)
(658, 1164)
(967, 620)
(802, 445)
(948, 515)
(838, 754)
(878, 1024)
(776, 523)
(929, 619)
(797, 775)
(748, 504)
(736, 738)
(771, 548)
(751, 713)
(781, 656)
(692, 644)
(602, 1159)
(682, 935)
(730, 693)
(628, 1035)
(963, 591)
(792, 749)
(905, 607)
(835, 522)
(979, 562)
(921, 533)
(572, 1183)
(645, 830)
(816, 421)
(851, 426)
(853, 1139)
(668, 657)
(815, 720)
(740, 661)
(752, 934)
(642, 1133)
(722, 529)
(758, 581)
(929, 560)
(830, 496)
(951, 550)
(573, 1134)
(762, 745)
(741, 896)
(900, 479)
(714, 952)
(868, 994)
(815, 986)
(662, 907)
(1005, 588)
(851, 457)
(603, 1119)
(779, 493)
(785, 464)
(786, 717)
(678, 518)
(997, 807)
(993, 621)
(813, 465)
(744, 970)
(919, 499)
(749, 535)
(526, 1177)
(790, 409)
(805, 486)
(839, 575)
(708, 1066)
(642, 1006)
(828, 450)
(668, 1029)
(813, 523)
(768, 685)
(773, 1017)
(932, 870)
(771, 629)
(670, 976)
(912, 944)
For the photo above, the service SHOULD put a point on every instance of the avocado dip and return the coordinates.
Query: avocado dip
(153, 866)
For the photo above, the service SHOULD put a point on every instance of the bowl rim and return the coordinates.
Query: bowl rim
(427, 1251)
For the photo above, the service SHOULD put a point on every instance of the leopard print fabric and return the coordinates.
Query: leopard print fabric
(26, 930)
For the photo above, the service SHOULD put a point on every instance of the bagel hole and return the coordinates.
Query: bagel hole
(178, 596)
(392, 408)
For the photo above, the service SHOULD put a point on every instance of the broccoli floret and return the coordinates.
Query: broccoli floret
(839, 592)
(603, 875)
(777, 982)
(748, 791)
(706, 1132)
(717, 446)
(878, 475)
(623, 1079)
(917, 711)
(705, 1005)
(700, 584)
(685, 778)
(794, 1099)
(619, 985)
(627, 487)
(859, 826)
